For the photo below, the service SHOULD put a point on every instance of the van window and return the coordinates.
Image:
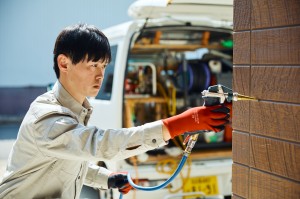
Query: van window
(107, 84)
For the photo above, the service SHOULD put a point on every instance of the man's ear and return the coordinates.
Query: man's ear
(63, 62)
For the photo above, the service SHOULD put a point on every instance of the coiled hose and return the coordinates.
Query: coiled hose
(177, 171)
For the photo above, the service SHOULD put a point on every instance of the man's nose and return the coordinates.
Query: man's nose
(100, 73)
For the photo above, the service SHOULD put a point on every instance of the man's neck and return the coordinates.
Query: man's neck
(72, 91)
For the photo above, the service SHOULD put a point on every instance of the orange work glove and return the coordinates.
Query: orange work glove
(119, 181)
(211, 118)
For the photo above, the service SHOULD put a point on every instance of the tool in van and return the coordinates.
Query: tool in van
(214, 95)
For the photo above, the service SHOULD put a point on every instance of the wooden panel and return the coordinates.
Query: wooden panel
(236, 197)
(272, 146)
(278, 157)
(240, 147)
(275, 46)
(241, 15)
(241, 111)
(267, 186)
(279, 83)
(240, 116)
(241, 79)
(241, 50)
(275, 120)
(240, 180)
(266, 13)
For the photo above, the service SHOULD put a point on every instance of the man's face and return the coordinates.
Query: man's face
(86, 77)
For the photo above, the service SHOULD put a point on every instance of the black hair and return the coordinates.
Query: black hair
(81, 40)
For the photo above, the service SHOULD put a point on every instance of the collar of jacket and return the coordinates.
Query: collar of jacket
(66, 100)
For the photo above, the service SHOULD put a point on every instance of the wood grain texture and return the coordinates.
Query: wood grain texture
(241, 147)
(237, 197)
(241, 15)
(241, 50)
(276, 120)
(241, 79)
(266, 13)
(240, 180)
(274, 46)
(266, 138)
(274, 156)
(266, 186)
(241, 111)
(241, 116)
(278, 83)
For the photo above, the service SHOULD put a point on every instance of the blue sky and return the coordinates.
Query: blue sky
(29, 29)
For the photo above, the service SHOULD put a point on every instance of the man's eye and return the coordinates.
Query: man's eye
(94, 65)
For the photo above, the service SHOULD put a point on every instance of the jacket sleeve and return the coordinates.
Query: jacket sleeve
(97, 176)
(61, 136)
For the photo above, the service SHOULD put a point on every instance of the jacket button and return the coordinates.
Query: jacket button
(154, 141)
(78, 177)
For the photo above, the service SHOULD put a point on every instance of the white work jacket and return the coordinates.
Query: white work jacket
(51, 155)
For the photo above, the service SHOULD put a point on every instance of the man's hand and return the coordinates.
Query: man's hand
(213, 118)
(119, 180)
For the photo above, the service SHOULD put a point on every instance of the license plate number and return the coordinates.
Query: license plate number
(205, 184)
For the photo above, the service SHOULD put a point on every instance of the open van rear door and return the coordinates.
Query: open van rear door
(201, 12)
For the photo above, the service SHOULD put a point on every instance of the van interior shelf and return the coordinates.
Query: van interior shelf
(131, 102)
(175, 47)
(208, 154)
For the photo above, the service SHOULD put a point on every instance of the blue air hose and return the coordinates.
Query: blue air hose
(181, 164)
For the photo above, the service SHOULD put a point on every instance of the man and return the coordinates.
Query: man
(50, 158)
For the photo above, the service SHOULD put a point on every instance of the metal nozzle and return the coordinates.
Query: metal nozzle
(238, 97)
(224, 93)
(191, 141)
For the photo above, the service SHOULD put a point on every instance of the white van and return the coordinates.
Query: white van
(161, 61)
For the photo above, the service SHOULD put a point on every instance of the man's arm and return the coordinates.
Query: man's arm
(166, 133)
(61, 136)
(97, 176)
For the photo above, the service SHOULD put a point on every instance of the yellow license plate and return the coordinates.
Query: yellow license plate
(206, 184)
